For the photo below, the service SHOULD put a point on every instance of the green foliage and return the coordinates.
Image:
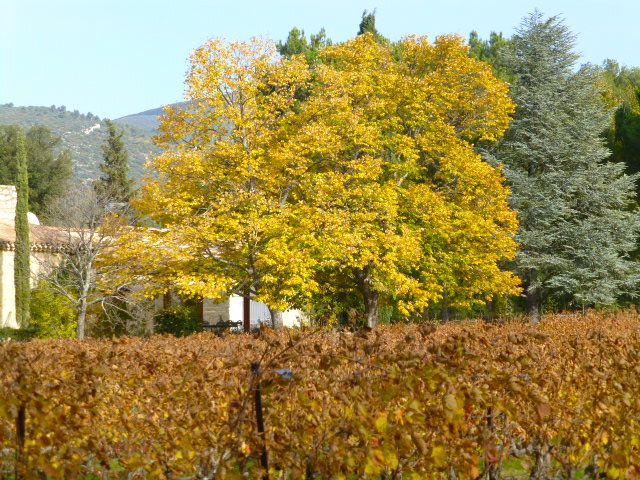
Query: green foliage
(52, 315)
(178, 320)
(78, 136)
(22, 270)
(368, 25)
(491, 51)
(17, 334)
(115, 180)
(48, 169)
(297, 43)
(48, 172)
(621, 87)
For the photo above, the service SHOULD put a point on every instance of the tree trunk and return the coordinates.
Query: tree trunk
(276, 318)
(533, 305)
(542, 462)
(371, 309)
(81, 317)
(369, 295)
(445, 313)
(246, 313)
(490, 309)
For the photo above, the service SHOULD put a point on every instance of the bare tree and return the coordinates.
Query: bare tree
(86, 225)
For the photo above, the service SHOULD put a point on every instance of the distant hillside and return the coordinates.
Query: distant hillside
(147, 120)
(84, 134)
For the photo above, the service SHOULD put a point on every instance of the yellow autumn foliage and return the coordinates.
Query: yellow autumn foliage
(294, 182)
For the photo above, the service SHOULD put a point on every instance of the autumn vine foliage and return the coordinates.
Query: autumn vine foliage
(354, 175)
(407, 401)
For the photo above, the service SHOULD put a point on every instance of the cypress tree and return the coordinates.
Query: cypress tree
(578, 219)
(368, 25)
(22, 269)
(114, 182)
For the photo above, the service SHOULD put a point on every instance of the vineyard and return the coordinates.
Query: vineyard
(465, 401)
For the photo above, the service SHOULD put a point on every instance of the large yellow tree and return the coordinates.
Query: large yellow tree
(355, 176)
(407, 210)
(218, 191)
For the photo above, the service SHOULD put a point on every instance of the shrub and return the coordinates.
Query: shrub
(17, 334)
(178, 320)
(52, 314)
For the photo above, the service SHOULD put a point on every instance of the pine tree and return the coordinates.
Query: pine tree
(368, 25)
(22, 269)
(48, 167)
(114, 182)
(297, 43)
(578, 218)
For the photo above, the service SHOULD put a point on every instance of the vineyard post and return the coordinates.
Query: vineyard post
(255, 370)
(493, 467)
(20, 437)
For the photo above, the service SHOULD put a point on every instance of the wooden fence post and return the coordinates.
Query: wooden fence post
(257, 398)
(20, 437)
(493, 468)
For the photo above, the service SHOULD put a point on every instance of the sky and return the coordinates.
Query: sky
(125, 56)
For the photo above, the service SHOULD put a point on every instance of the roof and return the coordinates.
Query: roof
(43, 238)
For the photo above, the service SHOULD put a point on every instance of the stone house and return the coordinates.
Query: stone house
(43, 251)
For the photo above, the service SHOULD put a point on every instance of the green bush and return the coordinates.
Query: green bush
(52, 314)
(179, 320)
(17, 334)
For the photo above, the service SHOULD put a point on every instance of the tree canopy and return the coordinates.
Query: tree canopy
(297, 43)
(49, 169)
(114, 167)
(621, 92)
(22, 258)
(369, 185)
(578, 219)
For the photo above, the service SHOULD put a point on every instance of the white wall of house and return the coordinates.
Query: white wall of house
(38, 261)
(233, 310)
(7, 291)
(259, 311)
(8, 202)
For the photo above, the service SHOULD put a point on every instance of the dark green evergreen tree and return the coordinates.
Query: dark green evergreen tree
(368, 25)
(22, 269)
(114, 182)
(297, 43)
(49, 169)
(49, 172)
(622, 92)
(578, 218)
(492, 51)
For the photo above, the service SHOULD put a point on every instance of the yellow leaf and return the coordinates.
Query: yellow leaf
(381, 422)
(438, 455)
(613, 473)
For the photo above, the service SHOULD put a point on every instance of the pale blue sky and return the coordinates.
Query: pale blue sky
(118, 57)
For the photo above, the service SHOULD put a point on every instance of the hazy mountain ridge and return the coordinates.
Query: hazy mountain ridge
(147, 120)
(84, 134)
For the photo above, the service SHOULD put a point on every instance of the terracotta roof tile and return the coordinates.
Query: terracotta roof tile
(43, 237)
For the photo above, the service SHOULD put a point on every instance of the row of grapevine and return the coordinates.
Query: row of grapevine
(405, 401)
